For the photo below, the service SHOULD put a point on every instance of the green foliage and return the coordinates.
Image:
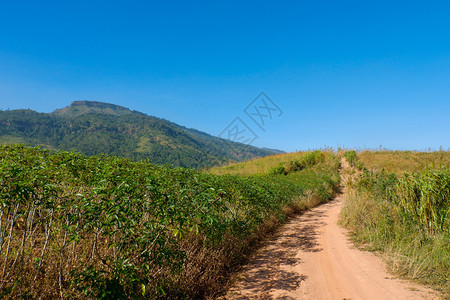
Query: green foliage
(351, 157)
(309, 160)
(93, 128)
(426, 198)
(353, 160)
(106, 227)
(313, 158)
(278, 170)
(407, 217)
(422, 196)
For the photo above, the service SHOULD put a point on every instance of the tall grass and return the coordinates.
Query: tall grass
(266, 164)
(405, 217)
(403, 161)
(426, 198)
(353, 160)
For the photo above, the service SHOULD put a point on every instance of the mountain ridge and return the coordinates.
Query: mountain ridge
(84, 106)
(93, 127)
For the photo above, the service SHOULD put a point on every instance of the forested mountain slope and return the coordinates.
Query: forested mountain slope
(95, 127)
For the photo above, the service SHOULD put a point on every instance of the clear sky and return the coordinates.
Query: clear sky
(345, 73)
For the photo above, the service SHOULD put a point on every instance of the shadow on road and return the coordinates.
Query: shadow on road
(268, 270)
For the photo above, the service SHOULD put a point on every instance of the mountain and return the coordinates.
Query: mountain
(92, 128)
(78, 108)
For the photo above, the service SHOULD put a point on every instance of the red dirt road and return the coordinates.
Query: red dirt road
(311, 257)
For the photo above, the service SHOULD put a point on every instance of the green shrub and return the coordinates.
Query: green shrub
(105, 227)
(313, 158)
(278, 170)
(359, 165)
(309, 160)
(351, 157)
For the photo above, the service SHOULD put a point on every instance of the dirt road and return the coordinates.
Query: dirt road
(311, 257)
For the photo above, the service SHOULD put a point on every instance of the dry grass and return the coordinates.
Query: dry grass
(376, 213)
(403, 161)
(262, 165)
(408, 251)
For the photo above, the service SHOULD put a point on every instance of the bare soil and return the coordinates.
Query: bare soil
(311, 257)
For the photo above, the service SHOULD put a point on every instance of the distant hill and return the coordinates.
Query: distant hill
(95, 127)
(78, 108)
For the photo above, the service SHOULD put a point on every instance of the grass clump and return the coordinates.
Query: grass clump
(353, 160)
(351, 157)
(278, 170)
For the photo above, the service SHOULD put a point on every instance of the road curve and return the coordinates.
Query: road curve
(311, 257)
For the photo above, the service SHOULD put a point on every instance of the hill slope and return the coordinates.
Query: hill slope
(95, 127)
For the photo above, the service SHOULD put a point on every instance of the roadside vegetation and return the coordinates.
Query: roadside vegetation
(399, 206)
(267, 164)
(73, 226)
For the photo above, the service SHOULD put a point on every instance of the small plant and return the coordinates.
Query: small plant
(353, 160)
(278, 170)
(313, 158)
(351, 157)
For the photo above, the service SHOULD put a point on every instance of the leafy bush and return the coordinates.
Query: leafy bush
(309, 160)
(313, 158)
(106, 227)
(351, 157)
(278, 170)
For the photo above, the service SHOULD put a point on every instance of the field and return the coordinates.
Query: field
(264, 165)
(399, 206)
(74, 226)
(403, 161)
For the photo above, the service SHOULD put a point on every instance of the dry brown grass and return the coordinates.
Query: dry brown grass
(382, 225)
(403, 161)
(261, 165)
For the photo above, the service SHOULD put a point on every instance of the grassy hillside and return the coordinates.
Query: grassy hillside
(104, 227)
(266, 164)
(399, 206)
(403, 161)
(93, 128)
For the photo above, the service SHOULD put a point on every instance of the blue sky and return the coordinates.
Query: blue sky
(349, 73)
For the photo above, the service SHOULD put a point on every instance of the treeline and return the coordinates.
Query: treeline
(74, 226)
